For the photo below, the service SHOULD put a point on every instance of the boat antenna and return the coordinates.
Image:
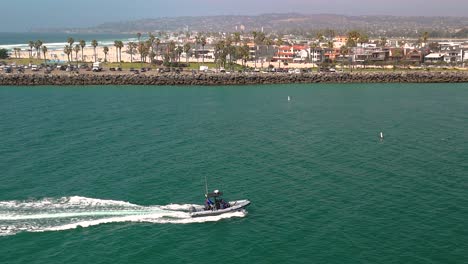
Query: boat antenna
(206, 186)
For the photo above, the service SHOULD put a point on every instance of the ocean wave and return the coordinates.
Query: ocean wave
(61, 45)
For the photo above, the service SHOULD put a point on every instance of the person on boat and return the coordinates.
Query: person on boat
(224, 204)
(208, 204)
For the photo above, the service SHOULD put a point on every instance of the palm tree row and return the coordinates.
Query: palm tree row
(151, 48)
(38, 45)
(118, 50)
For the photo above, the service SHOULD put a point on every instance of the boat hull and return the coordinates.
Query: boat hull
(234, 207)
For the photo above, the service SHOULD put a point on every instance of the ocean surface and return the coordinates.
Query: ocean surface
(58, 40)
(105, 174)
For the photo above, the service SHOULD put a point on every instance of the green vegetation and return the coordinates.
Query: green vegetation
(24, 61)
(192, 65)
(3, 53)
(128, 65)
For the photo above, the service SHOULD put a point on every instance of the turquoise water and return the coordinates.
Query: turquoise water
(103, 174)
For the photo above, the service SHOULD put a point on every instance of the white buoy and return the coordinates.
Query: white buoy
(381, 135)
(289, 98)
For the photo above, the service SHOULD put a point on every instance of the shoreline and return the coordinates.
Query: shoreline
(222, 79)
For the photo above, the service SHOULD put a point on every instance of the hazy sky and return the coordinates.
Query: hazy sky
(21, 15)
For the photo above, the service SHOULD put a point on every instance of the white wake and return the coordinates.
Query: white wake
(56, 214)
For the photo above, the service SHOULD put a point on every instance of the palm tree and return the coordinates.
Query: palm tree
(16, 51)
(70, 42)
(319, 36)
(143, 49)
(94, 43)
(383, 41)
(76, 49)
(82, 45)
(343, 51)
(425, 36)
(179, 51)
(151, 39)
(120, 45)
(106, 50)
(44, 51)
(364, 38)
(139, 36)
(268, 42)
(158, 42)
(244, 53)
(171, 47)
(67, 50)
(197, 43)
(131, 49)
(330, 33)
(203, 43)
(187, 48)
(31, 46)
(279, 42)
(38, 45)
(220, 55)
(116, 45)
(353, 38)
(259, 38)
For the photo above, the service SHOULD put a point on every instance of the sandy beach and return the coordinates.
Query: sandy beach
(88, 56)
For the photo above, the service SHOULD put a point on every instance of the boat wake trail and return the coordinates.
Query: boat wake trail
(56, 214)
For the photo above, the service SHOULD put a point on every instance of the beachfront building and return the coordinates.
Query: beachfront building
(330, 54)
(316, 55)
(284, 54)
(340, 41)
(434, 57)
(294, 53)
(453, 52)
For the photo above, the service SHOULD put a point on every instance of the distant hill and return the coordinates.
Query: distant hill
(284, 23)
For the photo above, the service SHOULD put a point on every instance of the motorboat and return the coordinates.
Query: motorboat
(217, 206)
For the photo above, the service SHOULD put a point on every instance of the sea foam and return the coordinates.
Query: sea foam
(57, 214)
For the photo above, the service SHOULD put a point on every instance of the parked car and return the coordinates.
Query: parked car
(164, 70)
(97, 67)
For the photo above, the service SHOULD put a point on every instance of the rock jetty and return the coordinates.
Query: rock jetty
(210, 79)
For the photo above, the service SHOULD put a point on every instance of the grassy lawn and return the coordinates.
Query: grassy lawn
(192, 65)
(128, 65)
(23, 61)
(212, 65)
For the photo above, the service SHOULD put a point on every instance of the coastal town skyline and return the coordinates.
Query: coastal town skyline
(37, 14)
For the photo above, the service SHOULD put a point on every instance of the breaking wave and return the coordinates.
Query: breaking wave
(56, 214)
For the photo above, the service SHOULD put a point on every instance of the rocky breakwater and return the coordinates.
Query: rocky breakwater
(230, 79)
